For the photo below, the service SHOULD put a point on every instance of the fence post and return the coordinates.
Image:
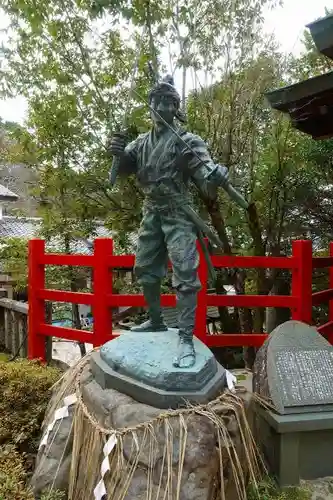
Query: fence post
(330, 304)
(36, 314)
(201, 312)
(302, 281)
(102, 286)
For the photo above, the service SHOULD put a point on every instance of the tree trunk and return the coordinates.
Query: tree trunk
(229, 325)
(183, 104)
(275, 316)
(48, 340)
(246, 322)
(228, 322)
(213, 209)
(75, 307)
(76, 314)
(261, 280)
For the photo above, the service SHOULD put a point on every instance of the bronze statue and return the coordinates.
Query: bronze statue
(165, 160)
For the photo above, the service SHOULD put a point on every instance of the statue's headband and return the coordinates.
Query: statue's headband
(166, 87)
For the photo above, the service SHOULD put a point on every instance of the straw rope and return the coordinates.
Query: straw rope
(163, 442)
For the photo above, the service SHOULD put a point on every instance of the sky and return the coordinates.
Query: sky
(287, 23)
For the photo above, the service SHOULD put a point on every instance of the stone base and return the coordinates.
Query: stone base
(140, 365)
(296, 446)
(112, 409)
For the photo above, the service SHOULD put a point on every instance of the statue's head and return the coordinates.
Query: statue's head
(165, 99)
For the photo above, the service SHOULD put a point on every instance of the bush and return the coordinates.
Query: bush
(26, 391)
(24, 396)
(13, 476)
(268, 490)
(54, 495)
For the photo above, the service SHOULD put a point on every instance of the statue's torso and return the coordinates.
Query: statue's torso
(159, 168)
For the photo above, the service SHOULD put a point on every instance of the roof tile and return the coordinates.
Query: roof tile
(6, 194)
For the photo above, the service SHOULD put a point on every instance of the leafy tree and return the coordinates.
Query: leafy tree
(74, 62)
(268, 162)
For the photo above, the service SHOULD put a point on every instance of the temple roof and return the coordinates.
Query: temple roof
(310, 103)
(322, 35)
(6, 194)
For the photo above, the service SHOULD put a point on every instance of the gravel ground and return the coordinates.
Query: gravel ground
(68, 352)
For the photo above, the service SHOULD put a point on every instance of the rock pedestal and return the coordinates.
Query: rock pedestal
(126, 384)
(116, 410)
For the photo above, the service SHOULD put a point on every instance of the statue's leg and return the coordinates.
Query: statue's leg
(181, 239)
(150, 268)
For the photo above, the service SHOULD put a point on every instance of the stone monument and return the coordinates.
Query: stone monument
(293, 375)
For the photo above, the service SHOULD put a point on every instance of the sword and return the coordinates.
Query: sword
(116, 159)
(232, 192)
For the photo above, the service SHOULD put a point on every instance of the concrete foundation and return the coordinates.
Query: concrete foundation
(297, 446)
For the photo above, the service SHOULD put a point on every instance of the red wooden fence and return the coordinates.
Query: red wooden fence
(301, 300)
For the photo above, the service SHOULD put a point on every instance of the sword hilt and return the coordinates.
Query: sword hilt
(116, 160)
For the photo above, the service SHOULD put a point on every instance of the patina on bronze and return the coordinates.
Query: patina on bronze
(165, 160)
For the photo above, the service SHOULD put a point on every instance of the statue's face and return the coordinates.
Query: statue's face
(166, 106)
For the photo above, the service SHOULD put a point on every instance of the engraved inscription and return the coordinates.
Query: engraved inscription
(305, 376)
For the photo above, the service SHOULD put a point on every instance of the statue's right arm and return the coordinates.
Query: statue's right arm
(128, 161)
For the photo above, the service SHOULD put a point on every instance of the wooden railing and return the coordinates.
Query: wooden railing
(301, 264)
(13, 326)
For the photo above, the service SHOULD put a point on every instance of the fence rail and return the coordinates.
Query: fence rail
(13, 326)
(102, 299)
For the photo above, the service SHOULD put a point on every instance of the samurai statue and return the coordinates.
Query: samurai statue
(165, 160)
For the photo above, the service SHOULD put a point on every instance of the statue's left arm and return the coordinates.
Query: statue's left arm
(206, 175)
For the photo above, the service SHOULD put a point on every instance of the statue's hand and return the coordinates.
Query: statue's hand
(222, 174)
(117, 144)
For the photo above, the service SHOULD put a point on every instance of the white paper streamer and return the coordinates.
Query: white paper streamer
(231, 381)
(100, 489)
(59, 414)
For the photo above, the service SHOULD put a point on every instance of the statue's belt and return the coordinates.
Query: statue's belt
(201, 226)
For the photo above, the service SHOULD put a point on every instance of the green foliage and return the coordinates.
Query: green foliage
(76, 75)
(53, 495)
(25, 389)
(13, 476)
(25, 393)
(268, 490)
(14, 258)
(75, 81)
